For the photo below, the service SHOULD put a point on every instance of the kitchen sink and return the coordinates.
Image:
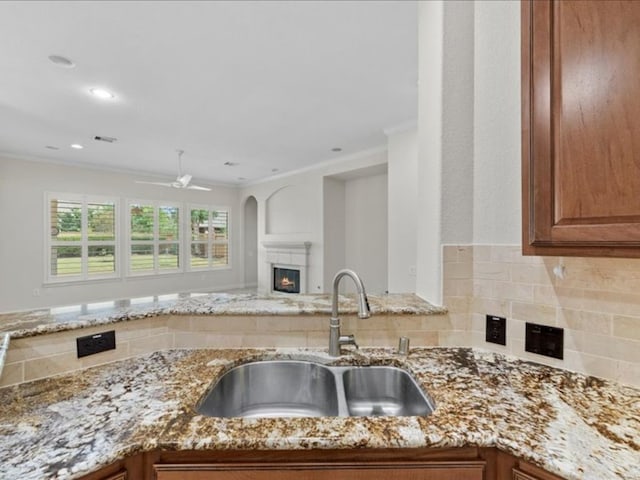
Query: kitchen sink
(291, 388)
(388, 391)
(273, 389)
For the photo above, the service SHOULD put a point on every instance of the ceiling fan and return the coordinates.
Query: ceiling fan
(181, 181)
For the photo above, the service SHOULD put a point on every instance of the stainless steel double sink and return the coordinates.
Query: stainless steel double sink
(291, 388)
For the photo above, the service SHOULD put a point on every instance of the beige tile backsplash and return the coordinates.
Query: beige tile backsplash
(46, 355)
(597, 303)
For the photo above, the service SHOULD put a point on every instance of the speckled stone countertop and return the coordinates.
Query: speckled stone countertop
(38, 322)
(575, 426)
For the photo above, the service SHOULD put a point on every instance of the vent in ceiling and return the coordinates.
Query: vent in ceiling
(105, 139)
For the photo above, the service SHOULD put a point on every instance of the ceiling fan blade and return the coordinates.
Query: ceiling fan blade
(161, 184)
(182, 181)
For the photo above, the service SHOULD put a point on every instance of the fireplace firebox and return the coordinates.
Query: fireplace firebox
(286, 280)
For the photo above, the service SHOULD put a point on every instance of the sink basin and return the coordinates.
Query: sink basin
(273, 389)
(375, 391)
(291, 388)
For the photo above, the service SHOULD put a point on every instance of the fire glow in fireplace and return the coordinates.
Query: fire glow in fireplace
(286, 280)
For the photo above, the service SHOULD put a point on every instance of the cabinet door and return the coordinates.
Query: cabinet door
(469, 470)
(581, 127)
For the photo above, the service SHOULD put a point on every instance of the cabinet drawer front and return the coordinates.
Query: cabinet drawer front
(473, 470)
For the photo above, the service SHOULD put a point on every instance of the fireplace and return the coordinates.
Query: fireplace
(290, 257)
(286, 280)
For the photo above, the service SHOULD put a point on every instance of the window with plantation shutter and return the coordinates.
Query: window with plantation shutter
(208, 238)
(82, 238)
(154, 238)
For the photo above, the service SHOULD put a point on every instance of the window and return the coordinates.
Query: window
(87, 235)
(209, 238)
(154, 238)
(81, 237)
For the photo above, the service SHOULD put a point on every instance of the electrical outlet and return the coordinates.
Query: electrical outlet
(97, 343)
(544, 340)
(496, 330)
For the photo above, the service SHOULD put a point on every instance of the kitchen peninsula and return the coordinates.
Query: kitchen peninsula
(571, 425)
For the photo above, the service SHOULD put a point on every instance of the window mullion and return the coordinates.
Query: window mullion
(84, 227)
(156, 237)
(210, 239)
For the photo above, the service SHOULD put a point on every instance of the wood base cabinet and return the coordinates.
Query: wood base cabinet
(130, 468)
(469, 463)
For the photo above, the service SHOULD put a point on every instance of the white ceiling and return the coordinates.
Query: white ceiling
(264, 84)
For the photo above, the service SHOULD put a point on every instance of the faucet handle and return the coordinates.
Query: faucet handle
(348, 340)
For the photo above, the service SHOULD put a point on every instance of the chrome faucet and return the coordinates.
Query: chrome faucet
(335, 339)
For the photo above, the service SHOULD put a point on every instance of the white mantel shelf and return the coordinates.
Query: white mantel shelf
(287, 245)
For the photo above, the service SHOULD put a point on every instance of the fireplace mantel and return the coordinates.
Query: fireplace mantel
(287, 245)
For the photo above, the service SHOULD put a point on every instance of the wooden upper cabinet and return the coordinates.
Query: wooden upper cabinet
(581, 127)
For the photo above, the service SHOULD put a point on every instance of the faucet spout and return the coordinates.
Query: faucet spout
(335, 339)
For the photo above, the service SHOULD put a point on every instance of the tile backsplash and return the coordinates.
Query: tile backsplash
(596, 301)
(42, 356)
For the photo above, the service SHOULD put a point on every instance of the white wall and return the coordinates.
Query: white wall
(402, 216)
(250, 242)
(497, 202)
(429, 207)
(287, 211)
(466, 191)
(445, 136)
(334, 229)
(366, 231)
(22, 225)
(458, 125)
(310, 181)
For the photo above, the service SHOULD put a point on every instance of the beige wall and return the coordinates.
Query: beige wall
(597, 303)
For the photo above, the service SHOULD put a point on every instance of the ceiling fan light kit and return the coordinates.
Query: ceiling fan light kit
(181, 182)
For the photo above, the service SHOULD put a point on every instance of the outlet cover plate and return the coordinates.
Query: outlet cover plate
(496, 330)
(544, 340)
(96, 343)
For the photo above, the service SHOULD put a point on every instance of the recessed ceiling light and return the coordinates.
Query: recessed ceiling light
(52, 147)
(61, 61)
(101, 93)
(77, 146)
(336, 149)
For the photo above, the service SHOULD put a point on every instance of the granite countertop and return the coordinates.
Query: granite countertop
(575, 426)
(38, 322)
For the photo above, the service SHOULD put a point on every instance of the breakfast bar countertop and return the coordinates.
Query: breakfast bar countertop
(575, 426)
(57, 319)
